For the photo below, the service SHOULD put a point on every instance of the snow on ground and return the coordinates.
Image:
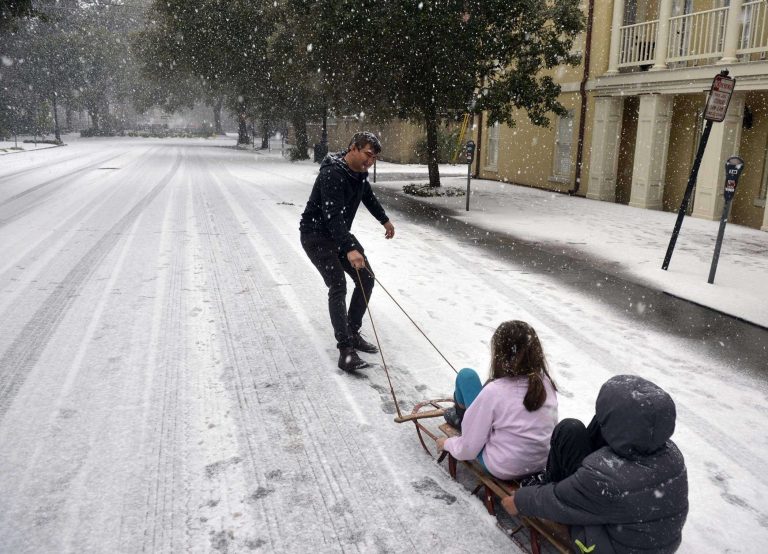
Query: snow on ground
(168, 380)
(629, 241)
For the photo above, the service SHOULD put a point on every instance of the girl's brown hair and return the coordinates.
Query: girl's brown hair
(515, 352)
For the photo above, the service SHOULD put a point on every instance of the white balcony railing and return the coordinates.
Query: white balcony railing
(694, 38)
(697, 36)
(754, 30)
(638, 44)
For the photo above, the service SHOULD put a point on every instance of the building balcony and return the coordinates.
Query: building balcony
(727, 35)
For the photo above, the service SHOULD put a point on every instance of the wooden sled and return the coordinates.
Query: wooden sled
(554, 533)
(426, 410)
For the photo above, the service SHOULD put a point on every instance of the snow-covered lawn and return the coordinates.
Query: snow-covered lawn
(10, 147)
(167, 369)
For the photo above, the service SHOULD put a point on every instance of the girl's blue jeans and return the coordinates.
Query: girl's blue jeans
(468, 386)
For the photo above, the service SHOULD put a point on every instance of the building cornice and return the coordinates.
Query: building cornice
(685, 80)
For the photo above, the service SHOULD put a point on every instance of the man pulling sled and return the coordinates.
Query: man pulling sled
(326, 237)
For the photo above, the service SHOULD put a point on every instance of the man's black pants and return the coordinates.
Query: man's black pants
(332, 265)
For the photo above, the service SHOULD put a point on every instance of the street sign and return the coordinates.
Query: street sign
(719, 98)
(717, 106)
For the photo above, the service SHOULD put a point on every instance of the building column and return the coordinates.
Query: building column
(662, 35)
(604, 152)
(765, 220)
(618, 21)
(732, 32)
(651, 146)
(724, 142)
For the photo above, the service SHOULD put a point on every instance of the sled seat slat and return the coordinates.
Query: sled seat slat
(554, 533)
(421, 415)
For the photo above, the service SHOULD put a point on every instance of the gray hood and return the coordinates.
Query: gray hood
(636, 417)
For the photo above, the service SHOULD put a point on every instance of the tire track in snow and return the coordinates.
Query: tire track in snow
(45, 165)
(246, 400)
(40, 249)
(23, 353)
(260, 408)
(162, 374)
(63, 181)
(347, 452)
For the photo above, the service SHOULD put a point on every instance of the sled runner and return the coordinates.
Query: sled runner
(492, 488)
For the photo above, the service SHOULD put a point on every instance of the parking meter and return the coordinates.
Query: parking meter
(469, 152)
(733, 168)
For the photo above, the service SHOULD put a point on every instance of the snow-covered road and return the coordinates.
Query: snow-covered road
(168, 379)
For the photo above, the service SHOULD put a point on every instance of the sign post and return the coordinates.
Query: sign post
(733, 168)
(717, 106)
(470, 155)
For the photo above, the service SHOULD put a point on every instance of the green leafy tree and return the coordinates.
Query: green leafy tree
(69, 53)
(11, 11)
(426, 60)
(165, 82)
(220, 43)
(296, 89)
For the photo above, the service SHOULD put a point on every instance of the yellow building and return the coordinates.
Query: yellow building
(642, 88)
(399, 138)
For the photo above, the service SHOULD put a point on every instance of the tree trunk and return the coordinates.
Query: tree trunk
(95, 118)
(300, 131)
(434, 172)
(217, 116)
(265, 132)
(242, 125)
(56, 132)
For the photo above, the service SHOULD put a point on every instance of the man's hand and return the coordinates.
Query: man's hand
(509, 504)
(441, 443)
(356, 259)
(389, 230)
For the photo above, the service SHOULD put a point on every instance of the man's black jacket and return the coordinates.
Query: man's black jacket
(335, 197)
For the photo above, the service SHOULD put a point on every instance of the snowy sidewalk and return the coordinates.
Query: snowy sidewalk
(626, 241)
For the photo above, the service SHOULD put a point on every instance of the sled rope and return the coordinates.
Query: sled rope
(376, 336)
(409, 317)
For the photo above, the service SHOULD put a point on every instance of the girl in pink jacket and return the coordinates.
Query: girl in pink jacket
(506, 424)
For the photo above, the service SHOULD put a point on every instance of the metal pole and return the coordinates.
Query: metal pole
(469, 175)
(719, 243)
(688, 191)
(374, 171)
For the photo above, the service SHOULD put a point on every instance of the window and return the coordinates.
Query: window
(561, 167)
(492, 157)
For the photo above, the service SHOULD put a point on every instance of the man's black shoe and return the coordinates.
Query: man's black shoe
(453, 416)
(359, 343)
(349, 360)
